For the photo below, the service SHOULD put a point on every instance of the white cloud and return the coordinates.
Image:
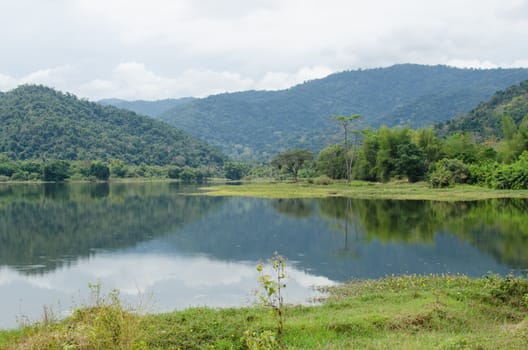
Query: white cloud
(283, 80)
(170, 48)
(132, 80)
(471, 64)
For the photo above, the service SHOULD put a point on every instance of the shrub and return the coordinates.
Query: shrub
(235, 170)
(56, 171)
(447, 172)
(174, 172)
(322, 180)
(100, 170)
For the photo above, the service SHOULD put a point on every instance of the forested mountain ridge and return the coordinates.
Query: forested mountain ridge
(38, 122)
(150, 108)
(486, 119)
(260, 124)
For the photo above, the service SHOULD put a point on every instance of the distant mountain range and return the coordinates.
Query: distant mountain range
(37, 122)
(150, 108)
(259, 124)
(486, 119)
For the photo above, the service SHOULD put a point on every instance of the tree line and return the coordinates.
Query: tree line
(402, 153)
(98, 170)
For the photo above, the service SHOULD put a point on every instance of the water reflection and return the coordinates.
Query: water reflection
(195, 250)
(163, 282)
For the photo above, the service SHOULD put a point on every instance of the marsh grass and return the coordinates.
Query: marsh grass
(103, 323)
(362, 190)
(405, 312)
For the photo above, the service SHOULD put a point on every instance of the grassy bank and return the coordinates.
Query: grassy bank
(358, 189)
(408, 312)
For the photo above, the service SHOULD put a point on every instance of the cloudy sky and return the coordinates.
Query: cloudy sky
(153, 49)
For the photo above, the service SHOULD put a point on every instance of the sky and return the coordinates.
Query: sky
(156, 49)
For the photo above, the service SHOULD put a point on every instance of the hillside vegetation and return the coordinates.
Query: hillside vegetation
(41, 123)
(487, 118)
(260, 124)
(150, 108)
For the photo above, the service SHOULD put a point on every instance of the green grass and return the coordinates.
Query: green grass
(360, 189)
(407, 312)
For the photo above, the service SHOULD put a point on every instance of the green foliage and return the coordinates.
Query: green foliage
(390, 153)
(42, 123)
(100, 170)
(403, 312)
(410, 162)
(292, 161)
(331, 162)
(118, 168)
(430, 145)
(56, 171)
(495, 117)
(447, 172)
(272, 289)
(257, 124)
(512, 176)
(265, 340)
(106, 324)
(461, 146)
(175, 172)
(508, 290)
(502, 176)
(235, 170)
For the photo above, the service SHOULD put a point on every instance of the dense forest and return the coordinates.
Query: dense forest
(39, 123)
(487, 119)
(259, 124)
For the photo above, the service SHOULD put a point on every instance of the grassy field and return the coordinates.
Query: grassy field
(359, 189)
(407, 312)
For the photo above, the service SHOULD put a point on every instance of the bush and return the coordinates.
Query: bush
(322, 180)
(447, 172)
(100, 170)
(56, 171)
(512, 177)
(118, 168)
(174, 172)
(235, 171)
(502, 176)
(441, 178)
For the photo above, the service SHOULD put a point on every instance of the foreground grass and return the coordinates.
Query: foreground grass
(408, 312)
(360, 189)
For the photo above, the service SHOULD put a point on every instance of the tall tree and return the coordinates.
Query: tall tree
(346, 123)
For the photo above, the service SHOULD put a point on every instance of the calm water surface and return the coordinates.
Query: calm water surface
(167, 249)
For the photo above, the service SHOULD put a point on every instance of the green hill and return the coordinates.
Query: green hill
(150, 108)
(41, 123)
(486, 118)
(259, 124)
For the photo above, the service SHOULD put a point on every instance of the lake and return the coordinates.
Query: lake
(169, 250)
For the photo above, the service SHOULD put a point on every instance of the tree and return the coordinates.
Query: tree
(292, 161)
(235, 170)
(346, 123)
(100, 170)
(56, 171)
(430, 145)
(330, 162)
(410, 162)
(118, 168)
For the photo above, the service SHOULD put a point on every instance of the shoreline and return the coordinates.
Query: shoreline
(394, 312)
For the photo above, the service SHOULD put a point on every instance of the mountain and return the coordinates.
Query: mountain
(37, 122)
(150, 108)
(486, 118)
(259, 124)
